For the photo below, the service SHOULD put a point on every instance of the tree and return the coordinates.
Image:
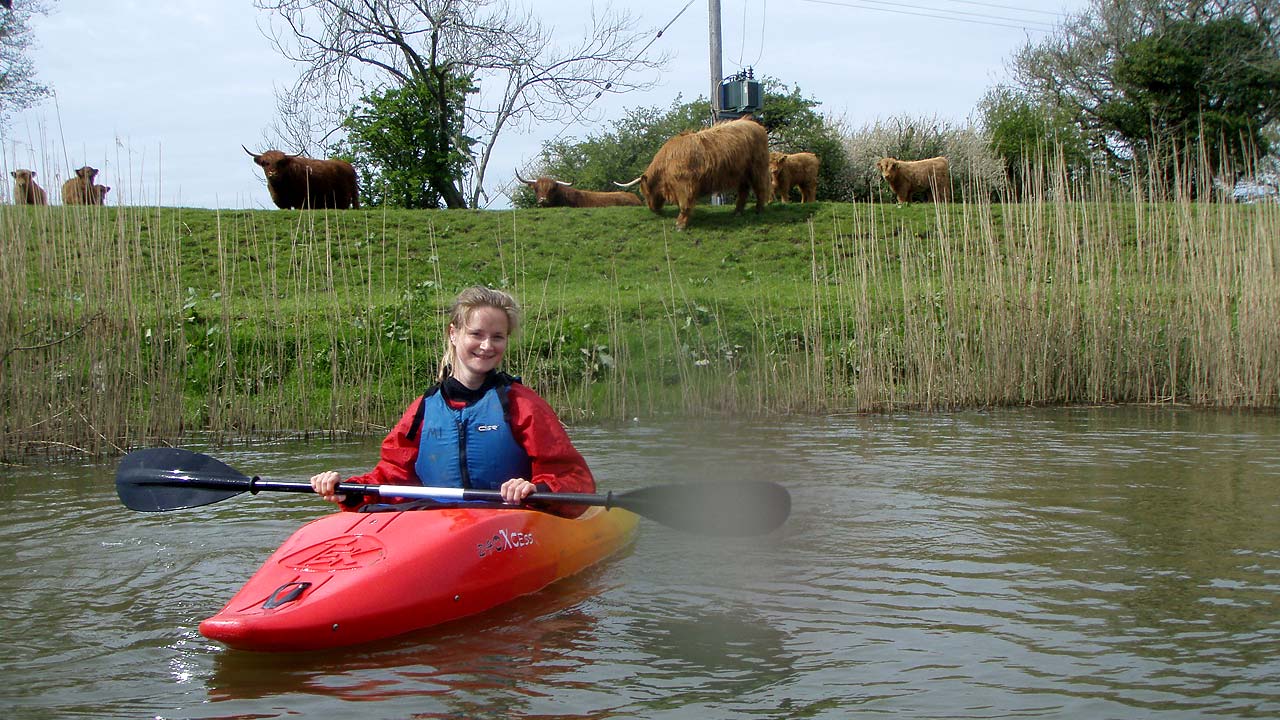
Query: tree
(391, 138)
(19, 88)
(1211, 86)
(1027, 136)
(351, 48)
(1130, 70)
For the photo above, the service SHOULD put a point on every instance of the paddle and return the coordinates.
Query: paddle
(162, 479)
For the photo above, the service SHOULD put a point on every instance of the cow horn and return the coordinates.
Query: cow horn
(526, 182)
(627, 185)
(251, 154)
(561, 182)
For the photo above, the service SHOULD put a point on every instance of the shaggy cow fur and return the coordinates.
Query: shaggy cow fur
(555, 193)
(25, 189)
(730, 156)
(908, 177)
(100, 192)
(297, 182)
(791, 171)
(79, 189)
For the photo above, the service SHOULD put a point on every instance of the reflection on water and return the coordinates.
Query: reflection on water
(1103, 562)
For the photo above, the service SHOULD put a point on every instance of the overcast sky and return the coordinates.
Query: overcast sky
(160, 95)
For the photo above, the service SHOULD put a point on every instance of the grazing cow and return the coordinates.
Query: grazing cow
(79, 189)
(795, 170)
(728, 156)
(25, 189)
(908, 177)
(298, 182)
(557, 193)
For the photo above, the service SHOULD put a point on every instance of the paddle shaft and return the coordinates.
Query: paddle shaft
(256, 485)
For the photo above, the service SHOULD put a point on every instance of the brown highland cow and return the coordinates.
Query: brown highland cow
(908, 177)
(557, 193)
(296, 182)
(730, 156)
(797, 170)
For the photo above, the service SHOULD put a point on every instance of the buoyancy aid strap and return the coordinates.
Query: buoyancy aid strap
(416, 425)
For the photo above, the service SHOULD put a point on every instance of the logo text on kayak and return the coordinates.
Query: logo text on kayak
(504, 540)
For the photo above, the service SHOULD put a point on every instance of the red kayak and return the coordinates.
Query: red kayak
(350, 578)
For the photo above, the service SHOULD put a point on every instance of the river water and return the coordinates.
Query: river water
(1064, 563)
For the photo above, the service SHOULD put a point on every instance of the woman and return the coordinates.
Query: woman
(477, 428)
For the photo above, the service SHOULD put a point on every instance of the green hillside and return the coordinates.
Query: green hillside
(135, 325)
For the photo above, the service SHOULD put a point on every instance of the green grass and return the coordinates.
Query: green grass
(141, 325)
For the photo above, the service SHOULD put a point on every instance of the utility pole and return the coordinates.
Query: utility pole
(717, 69)
(717, 72)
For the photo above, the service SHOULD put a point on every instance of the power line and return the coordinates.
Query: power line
(1034, 25)
(1015, 8)
(742, 47)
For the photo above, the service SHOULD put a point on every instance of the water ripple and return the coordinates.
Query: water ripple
(1093, 562)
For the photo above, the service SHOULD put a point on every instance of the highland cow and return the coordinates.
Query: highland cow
(100, 192)
(79, 189)
(26, 191)
(296, 182)
(909, 177)
(798, 170)
(728, 156)
(557, 193)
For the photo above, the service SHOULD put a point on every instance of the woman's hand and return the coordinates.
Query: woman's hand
(515, 490)
(324, 485)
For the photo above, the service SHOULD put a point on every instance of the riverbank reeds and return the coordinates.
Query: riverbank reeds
(126, 326)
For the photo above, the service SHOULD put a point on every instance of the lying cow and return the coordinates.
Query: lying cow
(798, 170)
(557, 193)
(726, 157)
(297, 182)
(26, 191)
(908, 177)
(79, 189)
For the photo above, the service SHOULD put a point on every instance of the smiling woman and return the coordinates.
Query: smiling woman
(477, 427)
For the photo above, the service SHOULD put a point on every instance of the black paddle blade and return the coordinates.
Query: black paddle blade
(730, 508)
(159, 479)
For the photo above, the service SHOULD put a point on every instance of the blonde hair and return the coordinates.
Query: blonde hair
(467, 302)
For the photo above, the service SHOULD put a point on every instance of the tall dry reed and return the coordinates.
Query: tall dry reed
(1084, 293)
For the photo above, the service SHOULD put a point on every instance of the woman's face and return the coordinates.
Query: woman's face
(478, 346)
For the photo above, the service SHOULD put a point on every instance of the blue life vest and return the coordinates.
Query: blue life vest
(471, 447)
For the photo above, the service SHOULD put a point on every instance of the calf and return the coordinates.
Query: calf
(25, 189)
(796, 170)
(79, 189)
(908, 177)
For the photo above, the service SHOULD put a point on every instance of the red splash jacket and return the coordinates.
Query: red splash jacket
(557, 464)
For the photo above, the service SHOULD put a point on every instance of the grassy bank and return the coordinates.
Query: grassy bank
(131, 325)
